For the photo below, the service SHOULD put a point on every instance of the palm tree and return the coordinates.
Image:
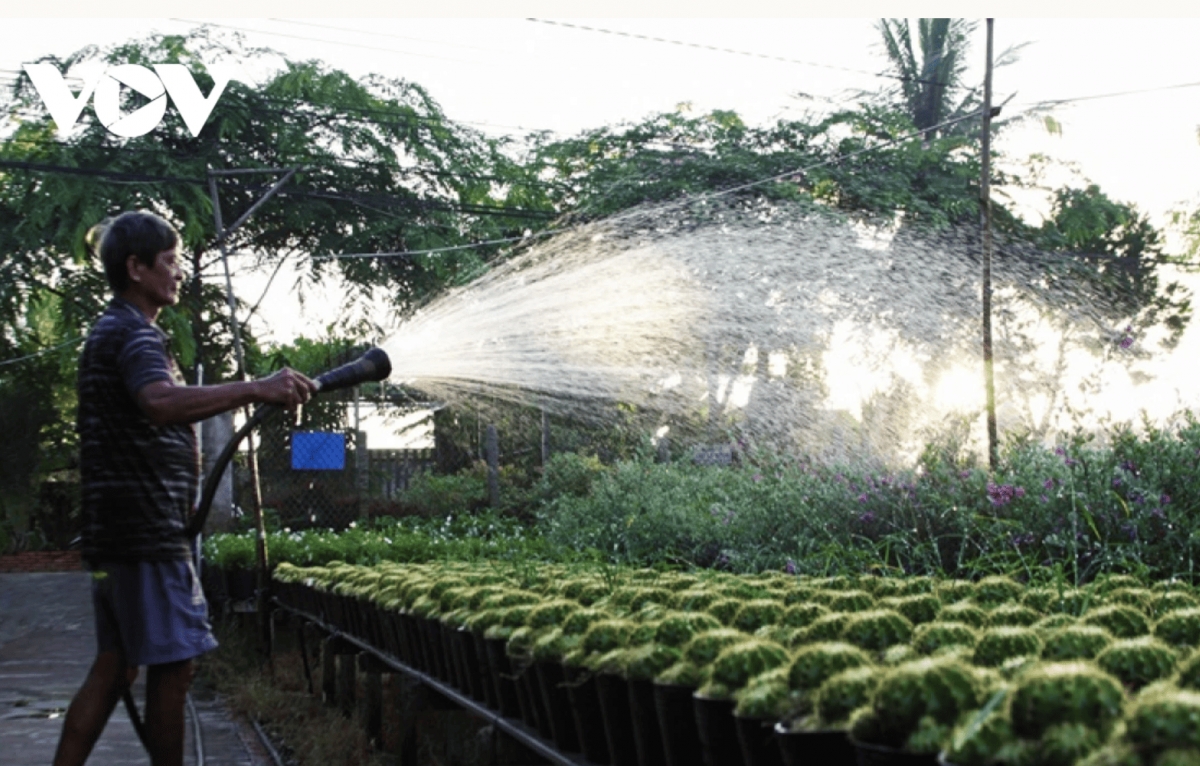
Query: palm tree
(931, 75)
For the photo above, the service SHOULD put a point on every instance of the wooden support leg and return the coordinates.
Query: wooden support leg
(371, 704)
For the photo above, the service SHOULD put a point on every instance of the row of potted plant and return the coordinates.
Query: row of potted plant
(644, 667)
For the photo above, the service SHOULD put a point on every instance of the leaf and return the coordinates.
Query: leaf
(1053, 126)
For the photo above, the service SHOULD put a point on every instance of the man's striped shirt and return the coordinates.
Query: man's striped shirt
(138, 480)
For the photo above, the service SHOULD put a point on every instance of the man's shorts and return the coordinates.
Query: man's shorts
(151, 612)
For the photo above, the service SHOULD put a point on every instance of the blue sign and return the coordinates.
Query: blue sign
(318, 451)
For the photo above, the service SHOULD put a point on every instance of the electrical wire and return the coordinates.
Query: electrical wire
(43, 352)
(751, 54)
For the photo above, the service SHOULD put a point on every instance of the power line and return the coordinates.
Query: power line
(319, 40)
(734, 51)
(43, 352)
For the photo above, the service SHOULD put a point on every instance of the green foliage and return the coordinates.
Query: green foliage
(933, 636)
(1166, 719)
(876, 630)
(827, 627)
(802, 615)
(755, 614)
(1012, 615)
(814, 664)
(1076, 642)
(964, 612)
(1138, 661)
(991, 592)
(606, 635)
(1180, 628)
(683, 673)
(919, 608)
(1065, 744)
(704, 648)
(999, 645)
(842, 693)
(739, 662)
(1121, 621)
(937, 689)
(766, 697)
(1066, 692)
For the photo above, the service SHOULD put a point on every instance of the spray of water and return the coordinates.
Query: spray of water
(759, 320)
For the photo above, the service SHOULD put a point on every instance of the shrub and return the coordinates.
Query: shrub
(932, 636)
(694, 599)
(1066, 743)
(991, 592)
(937, 689)
(755, 614)
(551, 613)
(1138, 661)
(724, 609)
(842, 693)
(1189, 672)
(1140, 599)
(851, 601)
(677, 628)
(1106, 583)
(898, 655)
(682, 673)
(979, 744)
(814, 664)
(765, 697)
(552, 645)
(964, 611)
(577, 622)
(606, 635)
(739, 662)
(1064, 692)
(1120, 620)
(918, 609)
(999, 645)
(704, 648)
(649, 660)
(1012, 615)
(1054, 601)
(953, 591)
(1165, 719)
(827, 627)
(1171, 601)
(1076, 642)
(876, 630)
(1054, 622)
(643, 596)
(1179, 628)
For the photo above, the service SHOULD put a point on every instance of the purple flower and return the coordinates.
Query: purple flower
(862, 498)
(1048, 484)
(1127, 341)
(756, 477)
(1116, 482)
(1164, 499)
(964, 474)
(1025, 539)
(1003, 494)
(1129, 466)
(866, 518)
(791, 567)
(1045, 499)
(1130, 531)
(1157, 513)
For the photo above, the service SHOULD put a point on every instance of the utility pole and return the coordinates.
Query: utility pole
(985, 204)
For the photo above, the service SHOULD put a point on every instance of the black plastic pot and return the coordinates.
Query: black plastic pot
(878, 755)
(585, 707)
(527, 681)
(483, 670)
(813, 748)
(240, 583)
(718, 733)
(677, 724)
(501, 673)
(647, 735)
(557, 704)
(618, 723)
(757, 739)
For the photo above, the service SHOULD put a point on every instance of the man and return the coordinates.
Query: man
(140, 472)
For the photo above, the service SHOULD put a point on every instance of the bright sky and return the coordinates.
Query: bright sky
(510, 74)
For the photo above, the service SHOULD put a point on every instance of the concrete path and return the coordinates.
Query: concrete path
(47, 643)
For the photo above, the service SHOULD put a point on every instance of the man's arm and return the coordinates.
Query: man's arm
(165, 403)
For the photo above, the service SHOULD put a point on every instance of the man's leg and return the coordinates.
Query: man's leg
(166, 693)
(90, 709)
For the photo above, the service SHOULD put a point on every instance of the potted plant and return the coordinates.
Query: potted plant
(912, 711)
(1137, 661)
(641, 665)
(673, 690)
(818, 735)
(877, 629)
(934, 636)
(761, 703)
(1180, 628)
(1119, 619)
(997, 646)
(1076, 642)
(714, 702)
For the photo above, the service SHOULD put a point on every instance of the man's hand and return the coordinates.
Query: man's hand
(287, 388)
